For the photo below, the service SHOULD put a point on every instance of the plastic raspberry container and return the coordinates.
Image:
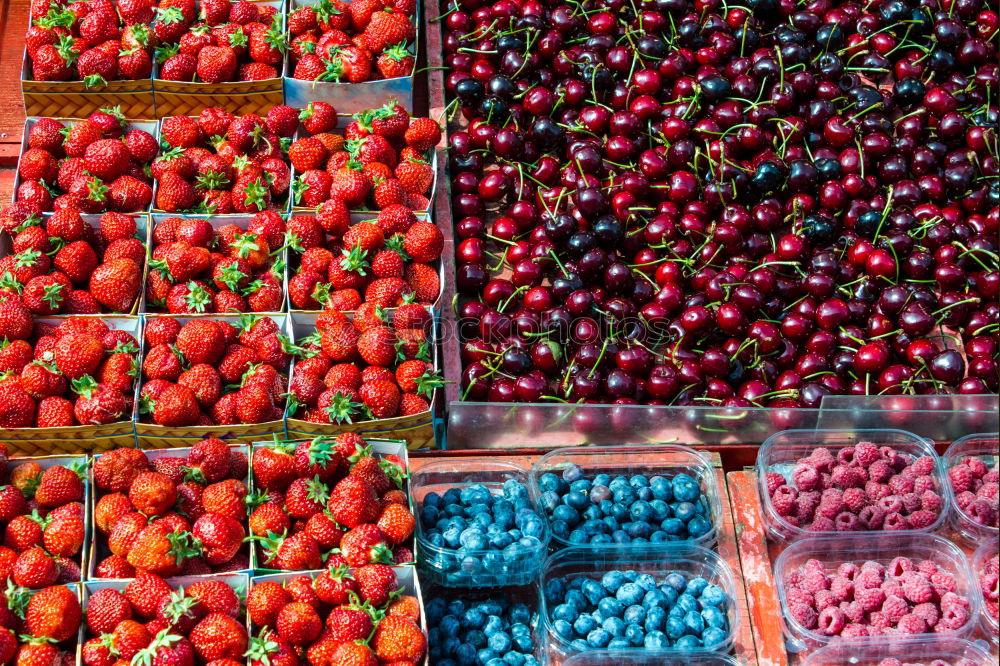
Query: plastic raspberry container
(626, 658)
(665, 460)
(475, 568)
(907, 650)
(781, 451)
(881, 547)
(658, 560)
(985, 446)
(989, 624)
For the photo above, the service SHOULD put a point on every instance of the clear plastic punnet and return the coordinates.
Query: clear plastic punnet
(980, 560)
(780, 453)
(475, 567)
(952, 651)
(986, 447)
(857, 548)
(634, 658)
(659, 561)
(666, 461)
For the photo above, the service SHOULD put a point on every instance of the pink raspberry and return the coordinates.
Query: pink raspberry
(871, 517)
(798, 595)
(943, 580)
(891, 504)
(879, 471)
(961, 478)
(824, 599)
(875, 491)
(848, 477)
(931, 501)
(855, 499)
(951, 600)
(831, 503)
(894, 521)
(822, 459)
(813, 564)
(874, 567)
(870, 599)
(962, 662)
(865, 453)
(821, 524)
(805, 477)
(894, 608)
(911, 502)
(923, 465)
(983, 512)
(992, 476)
(774, 481)
(892, 589)
(848, 570)
(805, 506)
(988, 490)
(867, 580)
(854, 630)
(964, 499)
(989, 583)
(845, 456)
(852, 611)
(831, 621)
(921, 520)
(842, 589)
(899, 566)
(927, 567)
(846, 522)
(928, 611)
(917, 588)
(976, 465)
(911, 624)
(784, 500)
(813, 581)
(922, 483)
(953, 619)
(890, 661)
(794, 578)
(901, 485)
(896, 460)
(825, 481)
(803, 614)
(877, 620)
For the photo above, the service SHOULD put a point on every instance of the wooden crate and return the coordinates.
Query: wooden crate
(756, 557)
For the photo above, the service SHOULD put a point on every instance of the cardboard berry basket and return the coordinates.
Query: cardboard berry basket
(381, 448)
(180, 98)
(293, 261)
(351, 97)
(149, 126)
(73, 99)
(416, 430)
(343, 119)
(406, 576)
(46, 462)
(79, 439)
(279, 207)
(152, 436)
(280, 260)
(98, 543)
(94, 220)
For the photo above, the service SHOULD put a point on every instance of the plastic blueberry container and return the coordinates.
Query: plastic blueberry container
(984, 446)
(665, 460)
(658, 560)
(482, 567)
(908, 650)
(625, 658)
(781, 450)
(990, 625)
(879, 547)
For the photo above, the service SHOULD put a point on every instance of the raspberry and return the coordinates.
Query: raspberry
(853, 611)
(877, 620)
(803, 614)
(911, 624)
(871, 517)
(983, 512)
(875, 491)
(812, 564)
(976, 465)
(891, 504)
(879, 471)
(848, 570)
(931, 501)
(805, 477)
(855, 499)
(845, 456)
(865, 454)
(992, 476)
(867, 580)
(961, 478)
(894, 608)
(831, 503)
(842, 589)
(831, 621)
(890, 661)
(988, 490)
(854, 631)
(927, 567)
(899, 566)
(824, 599)
(821, 524)
(894, 521)
(813, 581)
(798, 595)
(892, 589)
(928, 611)
(989, 583)
(846, 522)
(911, 502)
(774, 481)
(822, 459)
(964, 499)
(825, 481)
(805, 506)
(874, 567)
(917, 588)
(900, 484)
(870, 599)
(923, 465)
(945, 581)
(920, 520)
(848, 477)
(922, 483)
(794, 578)
(783, 499)
(953, 619)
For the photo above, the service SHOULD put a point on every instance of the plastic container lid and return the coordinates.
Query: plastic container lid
(924, 650)
(858, 547)
(984, 446)
(480, 567)
(640, 658)
(781, 450)
(666, 460)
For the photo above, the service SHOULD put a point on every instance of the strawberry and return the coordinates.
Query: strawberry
(395, 62)
(355, 654)
(264, 602)
(216, 64)
(34, 569)
(215, 596)
(318, 117)
(381, 397)
(267, 518)
(350, 622)
(176, 406)
(397, 523)
(105, 609)
(361, 12)
(297, 552)
(273, 468)
(53, 613)
(159, 550)
(386, 28)
(116, 283)
(201, 341)
(423, 242)
(77, 355)
(353, 502)
(298, 623)
(422, 134)
(424, 281)
(219, 636)
(307, 153)
(226, 498)
(398, 639)
(220, 537)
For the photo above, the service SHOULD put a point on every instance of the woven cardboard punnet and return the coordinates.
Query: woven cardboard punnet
(217, 221)
(152, 436)
(188, 98)
(381, 448)
(416, 430)
(46, 462)
(80, 438)
(98, 543)
(73, 99)
(350, 97)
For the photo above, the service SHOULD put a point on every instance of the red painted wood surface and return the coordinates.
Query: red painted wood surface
(14, 20)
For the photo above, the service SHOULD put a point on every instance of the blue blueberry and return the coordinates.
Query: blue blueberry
(635, 635)
(675, 627)
(486, 655)
(629, 594)
(592, 590)
(476, 638)
(684, 510)
(566, 612)
(563, 629)
(619, 644)
(576, 598)
(611, 607)
(698, 526)
(656, 640)
(598, 638)
(493, 622)
(714, 636)
(549, 482)
(676, 581)
(567, 514)
(694, 622)
(656, 618)
(687, 603)
(696, 586)
(580, 486)
(599, 494)
(713, 595)
(500, 642)
(612, 580)
(614, 626)
(572, 473)
(688, 642)
(634, 614)
(672, 526)
(584, 624)
(714, 617)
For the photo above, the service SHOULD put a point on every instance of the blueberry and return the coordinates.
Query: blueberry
(661, 488)
(660, 509)
(713, 637)
(610, 606)
(620, 536)
(577, 500)
(548, 482)
(624, 495)
(500, 642)
(473, 539)
(578, 537)
(606, 507)
(592, 513)
(686, 602)
(614, 626)
(550, 500)
(513, 488)
(592, 590)
(600, 538)
(694, 622)
(619, 644)
(641, 510)
(656, 618)
(713, 595)
(698, 526)
(631, 575)
(685, 488)
(594, 527)
(456, 607)
(485, 655)
(602, 479)
(639, 481)
(659, 536)
(529, 660)
(612, 580)
(504, 520)
(493, 622)
(696, 586)
(560, 529)
(501, 540)
(432, 499)
(566, 513)
(519, 628)
(634, 635)
(675, 627)
(465, 654)
(579, 645)
(435, 609)
(496, 661)
(655, 598)
(656, 639)
(584, 624)
(471, 565)
(473, 618)
(449, 625)
(476, 638)
(523, 643)
(482, 519)
(714, 617)
(684, 510)
(611, 524)
(452, 537)
(513, 552)
(599, 494)
(672, 526)
(638, 530)
(598, 638)
(572, 473)
(634, 614)
(566, 612)
(452, 496)
(580, 486)
(688, 642)
(676, 581)
(629, 594)
(428, 515)
(576, 598)
(563, 629)
(513, 658)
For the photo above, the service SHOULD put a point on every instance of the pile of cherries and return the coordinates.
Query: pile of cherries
(695, 202)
